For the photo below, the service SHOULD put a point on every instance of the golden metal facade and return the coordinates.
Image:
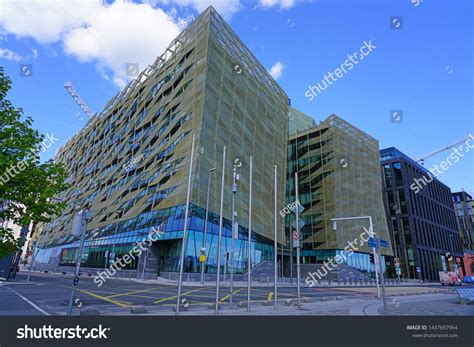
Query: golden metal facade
(133, 157)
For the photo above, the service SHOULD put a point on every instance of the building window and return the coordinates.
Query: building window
(397, 167)
(388, 175)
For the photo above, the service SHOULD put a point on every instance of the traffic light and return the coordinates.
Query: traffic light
(372, 259)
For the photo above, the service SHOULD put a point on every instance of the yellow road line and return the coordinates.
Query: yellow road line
(118, 303)
(130, 293)
(175, 296)
(270, 296)
(228, 296)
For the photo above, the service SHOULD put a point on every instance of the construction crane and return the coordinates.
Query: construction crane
(70, 88)
(422, 159)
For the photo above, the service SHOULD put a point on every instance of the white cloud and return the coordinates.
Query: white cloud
(226, 8)
(44, 21)
(122, 33)
(276, 70)
(283, 4)
(7, 54)
(110, 35)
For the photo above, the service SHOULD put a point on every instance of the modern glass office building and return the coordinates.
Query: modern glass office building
(339, 176)
(421, 217)
(130, 164)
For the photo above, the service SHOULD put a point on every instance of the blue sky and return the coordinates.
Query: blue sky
(424, 69)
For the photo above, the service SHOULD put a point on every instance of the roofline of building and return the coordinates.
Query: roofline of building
(411, 161)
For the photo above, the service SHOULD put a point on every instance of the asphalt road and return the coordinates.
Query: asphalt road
(50, 295)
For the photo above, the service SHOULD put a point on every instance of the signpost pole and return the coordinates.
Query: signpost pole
(384, 297)
(298, 245)
(372, 234)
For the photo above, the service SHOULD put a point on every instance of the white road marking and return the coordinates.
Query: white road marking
(28, 301)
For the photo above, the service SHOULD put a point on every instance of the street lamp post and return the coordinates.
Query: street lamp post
(275, 241)
(185, 228)
(249, 237)
(298, 246)
(203, 248)
(219, 240)
(78, 229)
(235, 230)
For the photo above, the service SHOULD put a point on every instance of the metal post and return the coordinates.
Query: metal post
(225, 264)
(275, 242)
(78, 263)
(299, 243)
(235, 178)
(231, 288)
(185, 229)
(384, 298)
(372, 234)
(249, 241)
(203, 248)
(32, 260)
(220, 232)
(144, 264)
(395, 248)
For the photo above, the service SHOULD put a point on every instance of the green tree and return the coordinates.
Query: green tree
(27, 186)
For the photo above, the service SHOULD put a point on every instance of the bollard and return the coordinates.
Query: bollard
(138, 310)
(213, 306)
(241, 304)
(90, 311)
(344, 281)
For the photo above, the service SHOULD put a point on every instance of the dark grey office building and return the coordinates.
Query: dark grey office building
(463, 206)
(421, 217)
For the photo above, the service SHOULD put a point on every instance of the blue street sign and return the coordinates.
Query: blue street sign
(372, 243)
(375, 242)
